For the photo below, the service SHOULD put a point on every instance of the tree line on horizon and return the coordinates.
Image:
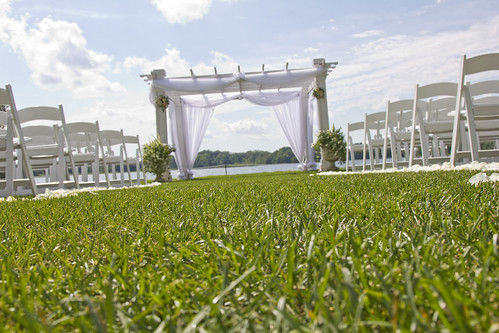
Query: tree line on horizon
(208, 158)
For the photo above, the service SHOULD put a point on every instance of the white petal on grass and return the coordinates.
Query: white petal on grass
(479, 178)
(478, 166)
(60, 193)
(494, 177)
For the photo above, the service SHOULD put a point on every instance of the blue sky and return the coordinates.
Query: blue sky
(88, 54)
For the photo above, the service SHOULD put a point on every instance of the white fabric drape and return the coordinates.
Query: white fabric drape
(266, 80)
(188, 128)
(188, 125)
(292, 118)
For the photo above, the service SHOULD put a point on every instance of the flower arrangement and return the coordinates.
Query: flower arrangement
(318, 93)
(332, 141)
(162, 102)
(156, 157)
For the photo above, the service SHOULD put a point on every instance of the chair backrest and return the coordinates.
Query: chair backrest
(85, 135)
(374, 125)
(80, 142)
(41, 135)
(41, 113)
(352, 127)
(110, 139)
(439, 109)
(6, 97)
(355, 126)
(375, 121)
(432, 97)
(6, 131)
(6, 105)
(483, 93)
(480, 63)
(133, 140)
(42, 123)
(4, 120)
(477, 89)
(399, 114)
(436, 89)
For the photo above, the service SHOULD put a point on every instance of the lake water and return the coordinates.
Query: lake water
(220, 171)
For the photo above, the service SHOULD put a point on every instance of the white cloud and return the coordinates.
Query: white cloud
(244, 134)
(175, 65)
(389, 68)
(184, 11)
(57, 55)
(171, 61)
(369, 33)
(130, 111)
(248, 127)
(311, 50)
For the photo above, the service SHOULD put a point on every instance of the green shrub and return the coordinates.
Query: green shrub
(332, 140)
(157, 157)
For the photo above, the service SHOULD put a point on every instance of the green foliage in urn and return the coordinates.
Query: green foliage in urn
(156, 157)
(332, 140)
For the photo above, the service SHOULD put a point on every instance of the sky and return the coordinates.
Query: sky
(88, 55)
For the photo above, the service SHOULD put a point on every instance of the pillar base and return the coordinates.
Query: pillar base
(328, 165)
(166, 176)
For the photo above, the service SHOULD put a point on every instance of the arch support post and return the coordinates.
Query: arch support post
(161, 121)
(161, 124)
(320, 82)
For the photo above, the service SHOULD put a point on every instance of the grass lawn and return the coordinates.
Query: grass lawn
(267, 252)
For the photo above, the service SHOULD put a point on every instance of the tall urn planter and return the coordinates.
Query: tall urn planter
(328, 160)
(332, 146)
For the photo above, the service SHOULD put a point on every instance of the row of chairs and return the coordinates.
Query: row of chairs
(428, 130)
(39, 151)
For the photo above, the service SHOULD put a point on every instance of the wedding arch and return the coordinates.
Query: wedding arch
(190, 102)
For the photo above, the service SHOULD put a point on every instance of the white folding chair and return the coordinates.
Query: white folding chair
(113, 139)
(45, 146)
(87, 150)
(134, 142)
(17, 178)
(431, 122)
(352, 147)
(6, 153)
(481, 108)
(398, 126)
(374, 125)
(9, 183)
(484, 130)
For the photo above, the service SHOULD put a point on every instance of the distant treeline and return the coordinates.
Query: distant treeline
(207, 158)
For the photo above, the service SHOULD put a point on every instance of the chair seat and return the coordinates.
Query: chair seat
(112, 159)
(402, 136)
(84, 157)
(438, 126)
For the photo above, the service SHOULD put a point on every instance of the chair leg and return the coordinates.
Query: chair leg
(122, 171)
